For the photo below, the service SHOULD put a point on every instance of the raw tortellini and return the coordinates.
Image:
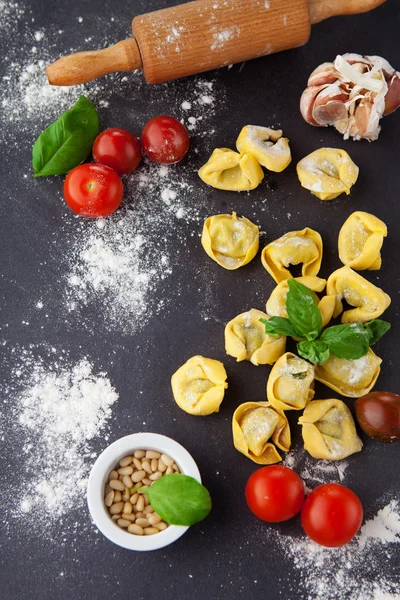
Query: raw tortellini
(290, 383)
(360, 241)
(257, 429)
(296, 247)
(351, 378)
(276, 303)
(229, 170)
(369, 300)
(328, 430)
(266, 145)
(245, 339)
(199, 385)
(230, 240)
(327, 173)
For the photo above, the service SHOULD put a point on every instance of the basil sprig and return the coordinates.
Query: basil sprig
(179, 499)
(66, 142)
(348, 341)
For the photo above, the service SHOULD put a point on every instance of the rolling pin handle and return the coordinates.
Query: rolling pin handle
(324, 9)
(82, 67)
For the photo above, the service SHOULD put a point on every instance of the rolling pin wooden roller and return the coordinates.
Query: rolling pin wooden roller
(202, 35)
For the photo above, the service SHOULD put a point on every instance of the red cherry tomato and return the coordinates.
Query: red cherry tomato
(93, 190)
(331, 515)
(118, 149)
(165, 140)
(274, 493)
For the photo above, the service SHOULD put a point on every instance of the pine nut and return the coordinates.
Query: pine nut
(161, 465)
(125, 493)
(152, 454)
(139, 504)
(123, 523)
(109, 499)
(138, 476)
(146, 466)
(130, 518)
(116, 508)
(136, 529)
(153, 519)
(167, 460)
(137, 464)
(124, 462)
(150, 530)
(126, 480)
(128, 508)
(115, 484)
(125, 470)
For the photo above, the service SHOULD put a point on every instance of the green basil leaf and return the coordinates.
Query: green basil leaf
(315, 351)
(67, 142)
(179, 499)
(347, 341)
(302, 309)
(376, 329)
(277, 326)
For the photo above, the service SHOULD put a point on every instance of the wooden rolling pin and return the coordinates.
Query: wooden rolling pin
(202, 35)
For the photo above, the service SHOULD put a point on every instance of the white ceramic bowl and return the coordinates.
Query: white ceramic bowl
(98, 478)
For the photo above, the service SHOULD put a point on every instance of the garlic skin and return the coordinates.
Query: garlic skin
(353, 93)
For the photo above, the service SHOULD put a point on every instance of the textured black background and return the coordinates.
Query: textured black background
(223, 556)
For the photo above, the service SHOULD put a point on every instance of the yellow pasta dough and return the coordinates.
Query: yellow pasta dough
(327, 173)
(351, 378)
(328, 430)
(296, 247)
(230, 240)
(360, 241)
(199, 385)
(369, 300)
(276, 303)
(245, 339)
(229, 170)
(290, 383)
(266, 145)
(257, 430)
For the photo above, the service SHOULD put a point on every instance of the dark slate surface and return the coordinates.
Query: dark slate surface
(223, 556)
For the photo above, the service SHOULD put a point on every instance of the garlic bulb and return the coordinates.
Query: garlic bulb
(352, 94)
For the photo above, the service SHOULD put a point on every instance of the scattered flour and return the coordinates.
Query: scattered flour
(59, 408)
(353, 571)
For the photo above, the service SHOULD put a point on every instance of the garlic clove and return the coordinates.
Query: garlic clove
(322, 75)
(392, 98)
